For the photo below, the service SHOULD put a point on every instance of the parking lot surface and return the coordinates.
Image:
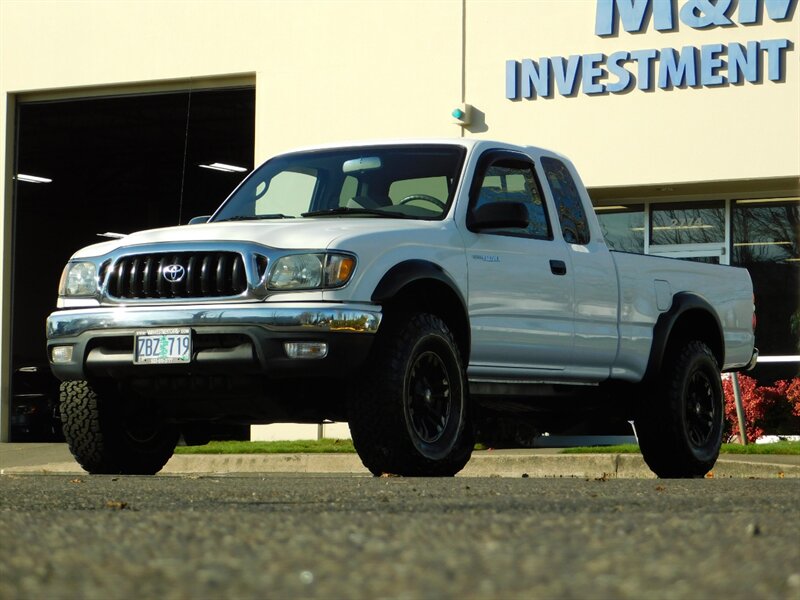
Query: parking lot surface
(349, 536)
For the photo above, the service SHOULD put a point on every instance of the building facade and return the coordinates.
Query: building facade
(683, 116)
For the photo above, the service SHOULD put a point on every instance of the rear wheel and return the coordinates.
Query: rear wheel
(680, 427)
(114, 434)
(410, 415)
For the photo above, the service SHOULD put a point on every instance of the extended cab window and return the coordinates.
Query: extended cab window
(571, 215)
(509, 180)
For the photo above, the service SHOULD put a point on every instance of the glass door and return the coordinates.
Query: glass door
(696, 231)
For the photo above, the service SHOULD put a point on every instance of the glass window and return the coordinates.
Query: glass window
(623, 228)
(349, 190)
(363, 181)
(284, 193)
(766, 241)
(687, 224)
(514, 181)
(768, 232)
(422, 190)
(571, 215)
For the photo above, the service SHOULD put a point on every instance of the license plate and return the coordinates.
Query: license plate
(162, 346)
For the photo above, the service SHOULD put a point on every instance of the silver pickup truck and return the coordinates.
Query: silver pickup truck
(430, 293)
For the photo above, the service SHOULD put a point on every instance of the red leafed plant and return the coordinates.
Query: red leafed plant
(771, 409)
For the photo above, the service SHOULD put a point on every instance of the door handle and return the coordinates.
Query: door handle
(558, 267)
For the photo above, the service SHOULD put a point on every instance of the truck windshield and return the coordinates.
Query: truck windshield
(404, 182)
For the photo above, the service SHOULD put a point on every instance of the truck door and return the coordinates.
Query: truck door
(593, 274)
(520, 291)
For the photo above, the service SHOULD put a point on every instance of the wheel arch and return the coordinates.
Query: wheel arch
(691, 317)
(421, 285)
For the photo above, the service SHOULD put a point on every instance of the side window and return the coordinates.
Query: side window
(514, 181)
(571, 214)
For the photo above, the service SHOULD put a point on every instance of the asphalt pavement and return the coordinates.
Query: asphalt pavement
(56, 458)
(253, 536)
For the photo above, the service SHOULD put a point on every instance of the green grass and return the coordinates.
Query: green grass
(346, 447)
(776, 448)
(281, 447)
(618, 449)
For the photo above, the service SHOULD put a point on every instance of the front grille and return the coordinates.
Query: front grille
(201, 275)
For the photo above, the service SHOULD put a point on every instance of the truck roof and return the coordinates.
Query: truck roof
(469, 143)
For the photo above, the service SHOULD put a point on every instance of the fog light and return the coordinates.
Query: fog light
(306, 349)
(62, 354)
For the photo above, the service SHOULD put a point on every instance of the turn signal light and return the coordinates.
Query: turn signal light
(339, 269)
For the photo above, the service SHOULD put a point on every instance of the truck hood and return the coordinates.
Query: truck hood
(290, 234)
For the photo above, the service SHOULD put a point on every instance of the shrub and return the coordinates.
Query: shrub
(771, 409)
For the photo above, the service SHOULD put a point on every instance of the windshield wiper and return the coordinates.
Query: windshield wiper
(349, 210)
(255, 217)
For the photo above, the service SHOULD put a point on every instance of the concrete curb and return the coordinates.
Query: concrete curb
(608, 466)
(488, 464)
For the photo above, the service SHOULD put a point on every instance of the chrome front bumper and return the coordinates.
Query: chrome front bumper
(100, 341)
(286, 318)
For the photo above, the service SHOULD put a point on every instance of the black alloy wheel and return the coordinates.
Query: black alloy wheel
(428, 397)
(700, 409)
(410, 415)
(680, 422)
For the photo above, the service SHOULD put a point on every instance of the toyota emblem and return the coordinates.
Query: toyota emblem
(173, 273)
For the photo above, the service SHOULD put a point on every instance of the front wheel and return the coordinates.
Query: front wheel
(680, 426)
(111, 433)
(410, 415)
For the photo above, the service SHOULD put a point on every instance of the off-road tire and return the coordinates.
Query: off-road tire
(410, 414)
(680, 424)
(102, 438)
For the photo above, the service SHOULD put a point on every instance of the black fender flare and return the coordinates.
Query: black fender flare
(411, 271)
(682, 303)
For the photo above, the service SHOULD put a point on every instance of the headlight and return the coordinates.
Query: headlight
(311, 271)
(78, 279)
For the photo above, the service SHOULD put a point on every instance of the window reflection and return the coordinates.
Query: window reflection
(623, 229)
(682, 224)
(766, 240)
(574, 226)
(766, 233)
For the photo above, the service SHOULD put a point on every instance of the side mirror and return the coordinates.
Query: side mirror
(499, 215)
(196, 220)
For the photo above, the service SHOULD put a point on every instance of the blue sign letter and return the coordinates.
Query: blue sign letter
(778, 10)
(645, 59)
(674, 71)
(631, 13)
(512, 86)
(774, 50)
(710, 63)
(566, 76)
(535, 80)
(615, 68)
(703, 13)
(591, 71)
(743, 64)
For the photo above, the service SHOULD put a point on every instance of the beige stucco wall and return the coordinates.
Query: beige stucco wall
(328, 70)
(339, 69)
(705, 134)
